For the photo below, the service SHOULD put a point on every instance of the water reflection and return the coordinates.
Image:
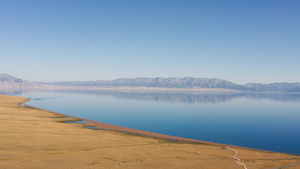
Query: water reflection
(174, 96)
(14, 91)
(186, 97)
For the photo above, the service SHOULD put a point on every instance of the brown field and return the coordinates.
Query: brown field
(35, 138)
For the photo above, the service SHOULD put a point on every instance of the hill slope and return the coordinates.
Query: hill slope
(12, 84)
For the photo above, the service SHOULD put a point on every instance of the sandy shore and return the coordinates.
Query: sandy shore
(36, 138)
(106, 126)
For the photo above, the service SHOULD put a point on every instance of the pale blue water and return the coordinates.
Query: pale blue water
(261, 121)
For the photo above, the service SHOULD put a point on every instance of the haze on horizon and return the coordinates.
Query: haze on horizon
(240, 41)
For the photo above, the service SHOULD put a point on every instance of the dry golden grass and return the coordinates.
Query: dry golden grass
(33, 138)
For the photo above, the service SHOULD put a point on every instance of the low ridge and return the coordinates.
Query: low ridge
(8, 82)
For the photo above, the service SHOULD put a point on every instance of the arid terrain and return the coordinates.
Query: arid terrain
(36, 138)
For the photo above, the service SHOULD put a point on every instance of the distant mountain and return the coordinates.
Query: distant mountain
(294, 90)
(275, 87)
(13, 85)
(173, 82)
(185, 83)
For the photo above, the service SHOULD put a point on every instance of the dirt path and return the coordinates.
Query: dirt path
(238, 160)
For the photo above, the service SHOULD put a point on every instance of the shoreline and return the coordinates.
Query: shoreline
(32, 137)
(106, 126)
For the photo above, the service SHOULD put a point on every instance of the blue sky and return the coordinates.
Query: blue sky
(241, 41)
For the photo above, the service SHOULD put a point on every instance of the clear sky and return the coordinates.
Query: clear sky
(61, 40)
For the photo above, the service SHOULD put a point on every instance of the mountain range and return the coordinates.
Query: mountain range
(8, 82)
(174, 82)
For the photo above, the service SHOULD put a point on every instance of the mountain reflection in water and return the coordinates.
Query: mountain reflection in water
(186, 97)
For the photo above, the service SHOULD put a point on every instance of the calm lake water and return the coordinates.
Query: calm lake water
(267, 121)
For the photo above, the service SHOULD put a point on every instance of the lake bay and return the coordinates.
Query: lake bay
(268, 121)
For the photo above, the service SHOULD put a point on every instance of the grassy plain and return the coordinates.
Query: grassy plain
(34, 138)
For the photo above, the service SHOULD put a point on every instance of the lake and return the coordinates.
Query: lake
(268, 121)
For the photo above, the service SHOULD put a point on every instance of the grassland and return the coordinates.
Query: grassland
(34, 138)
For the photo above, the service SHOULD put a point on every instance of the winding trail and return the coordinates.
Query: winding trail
(237, 159)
